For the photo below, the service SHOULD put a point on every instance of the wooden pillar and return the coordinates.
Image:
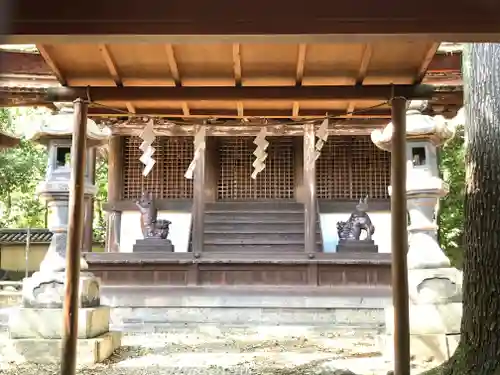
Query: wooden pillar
(198, 211)
(309, 191)
(75, 236)
(115, 190)
(298, 155)
(399, 240)
(212, 169)
(88, 234)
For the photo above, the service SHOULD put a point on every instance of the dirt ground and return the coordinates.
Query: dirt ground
(209, 350)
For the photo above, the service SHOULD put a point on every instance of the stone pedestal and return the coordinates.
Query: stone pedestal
(156, 245)
(357, 246)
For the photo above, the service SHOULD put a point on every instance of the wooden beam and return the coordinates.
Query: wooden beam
(185, 110)
(429, 55)
(53, 66)
(295, 109)
(353, 20)
(301, 60)
(293, 93)
(115, 188)
(231, 113)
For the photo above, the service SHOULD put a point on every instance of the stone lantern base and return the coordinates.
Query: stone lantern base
(435, 313)
(36, 328)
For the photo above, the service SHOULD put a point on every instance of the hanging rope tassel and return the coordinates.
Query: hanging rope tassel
(322, 135)
(199, 145)
(260, 152)
(148, 137)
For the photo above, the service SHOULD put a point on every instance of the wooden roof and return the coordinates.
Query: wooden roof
(240, 65)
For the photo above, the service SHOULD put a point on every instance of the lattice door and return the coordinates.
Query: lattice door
(351, 168)
(276, 181)
(166, 179)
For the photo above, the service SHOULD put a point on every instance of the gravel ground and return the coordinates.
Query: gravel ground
(268, 351)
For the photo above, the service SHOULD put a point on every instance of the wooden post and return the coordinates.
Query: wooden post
(399, 239)
(75, 236)
(309, 191)
(198, 199)
(115, 184)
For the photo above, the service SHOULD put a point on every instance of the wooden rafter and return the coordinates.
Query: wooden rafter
(299, 74)
(174, 69)
(52, 65)
(110, 64)
(113, 70)
(362, 72)
(241, 110)
(237, 73)
(429, 55)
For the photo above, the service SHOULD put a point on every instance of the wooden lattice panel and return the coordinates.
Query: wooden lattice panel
(276, 181)
(179, 152)
(166, 179)
(351, 168)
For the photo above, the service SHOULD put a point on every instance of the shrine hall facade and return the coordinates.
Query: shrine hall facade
(227, 227)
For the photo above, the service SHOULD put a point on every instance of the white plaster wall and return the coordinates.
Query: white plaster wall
(130, 229)
(382, 236)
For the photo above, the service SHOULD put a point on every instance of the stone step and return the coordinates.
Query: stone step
(253, 238)
(294, 227)
(264, 248)
(255, 206)
(245, 219)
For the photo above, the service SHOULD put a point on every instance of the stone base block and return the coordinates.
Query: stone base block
(46, 290)
(156, 245)
(438, 347)
(429, 318)
(33, 323)
(89, 351)
(435, 285)
(357, 246)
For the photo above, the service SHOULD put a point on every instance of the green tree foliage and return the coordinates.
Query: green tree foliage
(451, 217)
(21, 169)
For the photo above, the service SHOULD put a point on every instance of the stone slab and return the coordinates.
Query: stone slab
(27, 323)
(46, 290)
(430, 318)
(356, 246)
(156, 245)
(89, 351)
(437, 347)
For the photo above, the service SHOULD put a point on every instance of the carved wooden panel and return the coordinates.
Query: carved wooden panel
(276, 181)
(351, 167)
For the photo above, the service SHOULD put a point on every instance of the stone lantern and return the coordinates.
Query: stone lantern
(40, 319)
(435, 288)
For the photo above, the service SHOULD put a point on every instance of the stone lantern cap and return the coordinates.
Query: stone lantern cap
(418, 127)
(60, 125)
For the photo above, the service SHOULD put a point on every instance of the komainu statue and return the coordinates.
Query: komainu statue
(151, 226)
(358, 221)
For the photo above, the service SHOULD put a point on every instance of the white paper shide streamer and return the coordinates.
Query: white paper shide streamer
(260, 153)
(148, 137)
(199, 145)
(322, 135)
